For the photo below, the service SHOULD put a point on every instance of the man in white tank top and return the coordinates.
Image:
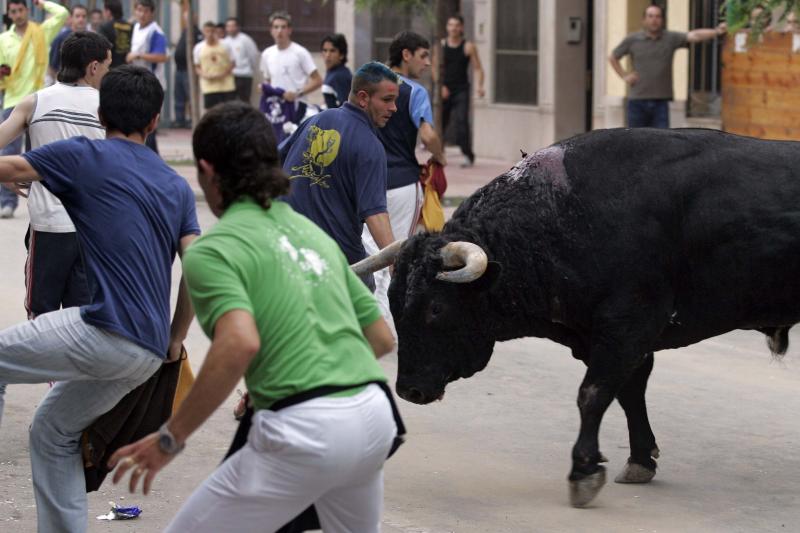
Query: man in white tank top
(54, 272)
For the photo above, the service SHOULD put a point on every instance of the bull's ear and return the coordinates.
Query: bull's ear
(489, 277)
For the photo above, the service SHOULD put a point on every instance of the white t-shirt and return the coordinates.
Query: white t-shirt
(289, 68)
(150, 40)
(245, 54)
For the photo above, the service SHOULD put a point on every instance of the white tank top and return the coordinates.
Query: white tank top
(61, 111)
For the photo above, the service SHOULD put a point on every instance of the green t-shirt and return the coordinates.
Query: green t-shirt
(308, 305)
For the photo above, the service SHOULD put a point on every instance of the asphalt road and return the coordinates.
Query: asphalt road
(494, 455)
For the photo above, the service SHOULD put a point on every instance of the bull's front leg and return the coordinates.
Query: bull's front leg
(587, 477)
(641, 465)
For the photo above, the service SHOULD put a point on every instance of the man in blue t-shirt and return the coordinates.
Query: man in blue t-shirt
(132, 214)
(337, 165)
(336, 87)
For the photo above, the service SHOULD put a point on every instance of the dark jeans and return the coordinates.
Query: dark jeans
(244, 88)
(455, 115)
(7, 196)
(55, 275)
(181, 95)
(648, 113)
(212, 99)
(151, 141)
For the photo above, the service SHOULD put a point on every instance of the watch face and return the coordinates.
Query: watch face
(166, 443)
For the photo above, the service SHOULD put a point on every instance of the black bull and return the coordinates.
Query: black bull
(616, 244)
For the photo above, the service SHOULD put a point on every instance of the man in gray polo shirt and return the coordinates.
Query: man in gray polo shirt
(650, 79)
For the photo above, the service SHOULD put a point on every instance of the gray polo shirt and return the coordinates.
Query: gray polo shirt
(652, 60)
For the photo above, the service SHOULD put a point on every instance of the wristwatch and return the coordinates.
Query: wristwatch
(167, 441)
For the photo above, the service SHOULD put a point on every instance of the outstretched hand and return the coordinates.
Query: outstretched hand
(144, 458)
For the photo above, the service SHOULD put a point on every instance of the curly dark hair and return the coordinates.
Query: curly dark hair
(238, 141)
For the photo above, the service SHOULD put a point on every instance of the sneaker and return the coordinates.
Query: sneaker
(6, 211)
(467, 163)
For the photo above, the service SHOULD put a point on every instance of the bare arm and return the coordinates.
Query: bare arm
(15, 124)
(477, 68)
(314, 83)
(380, 229)
(628, 77)
(15, 168)
(236, 342)
(379, 337)
(432, 143)
(706, 34)
(184, 312)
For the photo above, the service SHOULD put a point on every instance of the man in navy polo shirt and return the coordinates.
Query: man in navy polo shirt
(132, 214)
(337, 165)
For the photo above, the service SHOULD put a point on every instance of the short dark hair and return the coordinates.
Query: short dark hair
(458, 17)
(78, 51)
(369, 75)
(78, 6)
(238, 141)
(149, 4)
(130, 97)
(23, 2)
(407, 40)
(220, 25)
(660, 8)
(283, 15)
(114, 7)
(209, 24)
(96, 11)
(338, 41)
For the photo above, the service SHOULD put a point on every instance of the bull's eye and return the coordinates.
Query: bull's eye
(436, 309)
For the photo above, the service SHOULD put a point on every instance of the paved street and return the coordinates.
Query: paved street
(494, 455)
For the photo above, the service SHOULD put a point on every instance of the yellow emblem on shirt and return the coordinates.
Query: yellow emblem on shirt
(323, 147)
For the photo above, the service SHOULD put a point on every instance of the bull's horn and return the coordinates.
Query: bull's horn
(379, 261)
(467, 255)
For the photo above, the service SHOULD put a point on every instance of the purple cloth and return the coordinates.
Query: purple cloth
(278, 111)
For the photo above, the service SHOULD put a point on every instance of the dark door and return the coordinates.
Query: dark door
(311, 21)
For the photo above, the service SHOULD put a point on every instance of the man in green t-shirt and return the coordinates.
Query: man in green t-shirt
(283, 308)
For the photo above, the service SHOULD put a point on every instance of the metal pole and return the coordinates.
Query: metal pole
(188, 24)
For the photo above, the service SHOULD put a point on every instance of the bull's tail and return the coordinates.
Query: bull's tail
(777, 339)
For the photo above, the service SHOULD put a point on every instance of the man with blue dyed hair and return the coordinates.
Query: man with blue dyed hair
(337, 165)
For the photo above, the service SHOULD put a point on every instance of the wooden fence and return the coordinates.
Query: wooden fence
(761, 86)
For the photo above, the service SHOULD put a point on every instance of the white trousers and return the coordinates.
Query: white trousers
(404, 205)
(326, 451)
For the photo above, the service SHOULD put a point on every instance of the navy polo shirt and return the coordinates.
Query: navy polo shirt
(337, 171)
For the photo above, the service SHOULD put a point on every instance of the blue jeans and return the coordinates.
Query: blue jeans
(7, 196)
(648, 113)
(94, 369)
(181, 94)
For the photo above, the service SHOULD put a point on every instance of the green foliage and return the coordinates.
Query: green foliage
(756, 15)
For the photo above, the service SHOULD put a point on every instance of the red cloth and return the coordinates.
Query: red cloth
(432, 173)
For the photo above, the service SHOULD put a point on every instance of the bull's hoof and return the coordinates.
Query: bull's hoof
(584, 490)
(655, 452)
(635, 473)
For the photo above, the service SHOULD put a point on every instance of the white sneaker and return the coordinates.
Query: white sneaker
(6, 211)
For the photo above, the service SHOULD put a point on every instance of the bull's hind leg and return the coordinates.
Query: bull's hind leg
(641, 465)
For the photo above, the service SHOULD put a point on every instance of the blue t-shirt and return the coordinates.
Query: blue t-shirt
(130, 211)
(337, 169)
(336, 87)
(399, 136)
(55, 48)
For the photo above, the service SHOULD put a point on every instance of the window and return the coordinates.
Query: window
(386, 23)
(311, 21)
(516, 52)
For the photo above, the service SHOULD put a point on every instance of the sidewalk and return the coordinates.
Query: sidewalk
(176, 147)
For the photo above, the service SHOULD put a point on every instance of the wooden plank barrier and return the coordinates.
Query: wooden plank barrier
(761, 87)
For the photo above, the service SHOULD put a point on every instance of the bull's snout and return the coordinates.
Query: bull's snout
(416, 393)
